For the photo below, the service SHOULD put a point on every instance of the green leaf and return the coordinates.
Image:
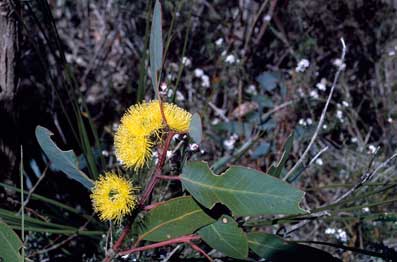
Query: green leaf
(268, 80)
(261, 150)
(156, 44)
(265, 245)
(65, 161)
(235, 127)
(10, 244)
(195, 128)
(245, 191)
(174, 218)
(226, 237)
(275, 169)
(274, 248)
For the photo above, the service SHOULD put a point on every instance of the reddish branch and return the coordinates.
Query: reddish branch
(182, 239)
(157, 172)
(198, 249)
(146, 194)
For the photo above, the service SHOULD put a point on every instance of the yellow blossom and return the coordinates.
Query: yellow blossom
(140, 127)
(113, 197)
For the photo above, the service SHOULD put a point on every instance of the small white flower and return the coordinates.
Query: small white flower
(330, 231)
(105, 153)
(215, 121)
(319, 162)
(314, 94)
(325, 126)
(341, 235)
(354, 139)
(179, 96)
(302, 65)
(224, 53)
(392, 53)
(219, 42)
(169, 154)
(230, 59)
(338, 63)
(300, 92)
(366, 209)
(205, 81)
(309, 121)
(302, 122)
(372, 149)
(193, 147)
(322, 85)
(267, 18)
(163, 86)
(198, 72)
(186, 61)
(251, 89)
(339, 114)
(345, 104)
(229, 143)
(390, 120)
(115, 126)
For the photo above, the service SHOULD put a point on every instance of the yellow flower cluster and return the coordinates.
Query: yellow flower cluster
(113, 197)
(141, 125)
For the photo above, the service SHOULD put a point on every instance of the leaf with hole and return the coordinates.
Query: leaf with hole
(245, 191)
(176, 217)
(225, 236)
(195, 128)
(10, 244)
(65, 161)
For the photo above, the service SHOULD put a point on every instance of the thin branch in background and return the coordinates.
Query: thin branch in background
(365, 178)
(25, 203)
(219, 112)
(198, 249)
(321, 121)
(170, 254)
(318, 155)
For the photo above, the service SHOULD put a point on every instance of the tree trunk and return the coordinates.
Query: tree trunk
(8, 52)
(8, 85)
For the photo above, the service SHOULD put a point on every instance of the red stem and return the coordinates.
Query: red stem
(148, 191)
(198, 249)
(182, 239)
(119, 241)
(157, 172)
(169, 177)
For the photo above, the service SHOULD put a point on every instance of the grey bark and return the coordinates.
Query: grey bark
(8, 52)
(8, 88)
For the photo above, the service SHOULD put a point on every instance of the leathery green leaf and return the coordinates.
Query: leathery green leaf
(10, 244)
(276, 249)
(226, 237)
(245, 191)
(174, 218)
